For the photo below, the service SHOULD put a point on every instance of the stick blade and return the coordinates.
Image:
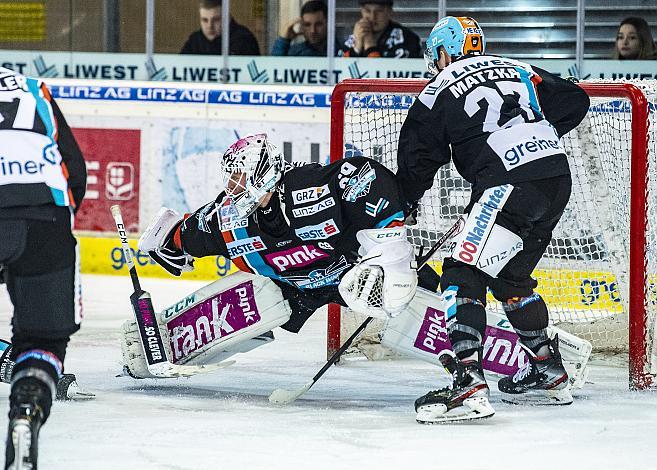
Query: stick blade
(284, 397)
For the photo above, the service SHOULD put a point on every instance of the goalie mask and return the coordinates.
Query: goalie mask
(250, 168)
(460, 36)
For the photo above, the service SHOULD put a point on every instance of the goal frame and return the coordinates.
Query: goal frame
(638, 286)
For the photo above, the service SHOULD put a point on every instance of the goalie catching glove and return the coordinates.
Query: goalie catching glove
(385, 279)
(159, 241)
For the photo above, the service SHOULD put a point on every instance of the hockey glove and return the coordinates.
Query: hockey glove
(385, 279)
(159, 242)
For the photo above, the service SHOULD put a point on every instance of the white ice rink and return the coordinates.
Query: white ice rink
(359, 415)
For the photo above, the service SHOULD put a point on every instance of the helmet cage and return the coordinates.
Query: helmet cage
(250, 168)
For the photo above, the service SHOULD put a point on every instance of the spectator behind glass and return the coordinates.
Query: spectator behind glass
(207, 40)
(376, 35)
(634, 40)
(313, 26)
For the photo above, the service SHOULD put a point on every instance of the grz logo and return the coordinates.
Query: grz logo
(119, 181)
(295, 257)
(375, 209)
(309, 194)
(245, 246)
(318, 232)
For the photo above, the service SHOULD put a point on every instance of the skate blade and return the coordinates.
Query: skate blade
(75, 393)
(21, 438)
(472, 409)
(540, 398)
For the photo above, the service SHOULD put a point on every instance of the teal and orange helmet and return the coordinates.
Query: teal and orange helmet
(460, 36)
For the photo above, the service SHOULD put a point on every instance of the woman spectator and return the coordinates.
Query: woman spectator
(634, 40)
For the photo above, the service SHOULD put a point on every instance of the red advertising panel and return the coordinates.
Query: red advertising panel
(112, 157)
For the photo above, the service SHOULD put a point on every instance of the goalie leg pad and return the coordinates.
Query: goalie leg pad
(214, 322)
(421, 332)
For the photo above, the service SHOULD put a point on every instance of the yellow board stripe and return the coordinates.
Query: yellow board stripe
(104, 256)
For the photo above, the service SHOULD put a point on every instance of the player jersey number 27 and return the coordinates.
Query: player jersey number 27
(520, 134)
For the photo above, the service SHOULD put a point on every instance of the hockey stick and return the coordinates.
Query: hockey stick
(149, 332)
(281, 396)
(285, 397)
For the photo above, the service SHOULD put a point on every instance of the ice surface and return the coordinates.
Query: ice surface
(359, 415)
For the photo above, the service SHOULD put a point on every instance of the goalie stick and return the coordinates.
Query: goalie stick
(149, 331)
(283, 397)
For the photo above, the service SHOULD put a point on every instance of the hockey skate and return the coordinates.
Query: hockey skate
(466, 399)
(541, 381)
(25, 418)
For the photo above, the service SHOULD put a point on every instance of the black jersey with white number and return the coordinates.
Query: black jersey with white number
(306, 237)
(498, 119)
(40, 163)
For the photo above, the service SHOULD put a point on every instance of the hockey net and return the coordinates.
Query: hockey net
(598, 273)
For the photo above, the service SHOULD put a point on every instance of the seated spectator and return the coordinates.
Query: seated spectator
(634, 40)
(376, 35)
(312, 25)
(207, 40)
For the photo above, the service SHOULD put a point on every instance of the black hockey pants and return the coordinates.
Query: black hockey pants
(40, 269)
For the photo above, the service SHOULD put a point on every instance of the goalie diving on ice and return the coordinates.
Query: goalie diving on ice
(303, 229)
(301, 237)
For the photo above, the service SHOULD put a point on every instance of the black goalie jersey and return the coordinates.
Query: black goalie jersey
(306, 237)
(500, 121)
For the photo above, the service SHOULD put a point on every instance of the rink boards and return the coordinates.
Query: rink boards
(569, 289)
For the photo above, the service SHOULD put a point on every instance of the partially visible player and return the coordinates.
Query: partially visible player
(500, 121)
(42, 182)
(310, 229)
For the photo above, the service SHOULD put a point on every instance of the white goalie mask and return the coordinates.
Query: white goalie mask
(250, 168)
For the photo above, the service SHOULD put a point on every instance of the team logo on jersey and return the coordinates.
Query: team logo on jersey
(315, 193)
(296, 257)
(321, 277)
(359, 185)
(321, 231)
(314, 209)
(245, 246)
(325, 246)
(284, 242)
(375, 209)
(346, 170)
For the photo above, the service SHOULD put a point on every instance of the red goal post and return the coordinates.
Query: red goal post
(638, 225)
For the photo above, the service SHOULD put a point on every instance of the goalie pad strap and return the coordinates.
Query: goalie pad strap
(515, 303)
(468, 330)
(465, 345)
(467, 300)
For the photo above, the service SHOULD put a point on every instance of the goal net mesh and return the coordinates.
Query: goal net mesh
(584, 275)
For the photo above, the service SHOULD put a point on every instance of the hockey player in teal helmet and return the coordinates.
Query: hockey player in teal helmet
(458, 36)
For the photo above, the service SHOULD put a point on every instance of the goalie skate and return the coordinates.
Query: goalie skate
(466, 399)
(541, 381)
